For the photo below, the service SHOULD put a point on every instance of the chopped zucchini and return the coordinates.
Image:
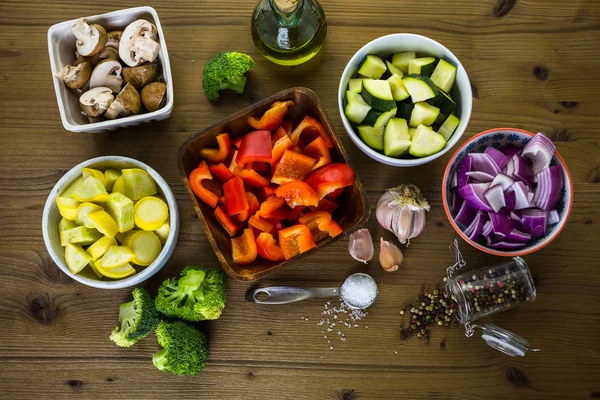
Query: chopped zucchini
(65, 224)
(449, 126)
(111, 176)
(393, 70)
(422, 66)
(119, 185)
(114, 257)
(355, 85)
(404, 110)
(104, 223)
(92, 190)
(426, 142)
(120, 208)
(79, 235)
(82, 214)
(378, 94)
(400, 60)
(411, 132)
(399, 92)
(95, 173)
(67, 207)
(423, 114)
(384, 118)
(373, 67)
(373, 137)
(372, 117)
(100, 246)
(444, 75)
(440, 119)
(76, 258)
(396, 139)
(137, 183)
(72, 187)
(419, 87)
(442, 101)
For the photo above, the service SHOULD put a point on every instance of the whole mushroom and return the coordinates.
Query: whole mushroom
(153, 95)
(141, 75)
(126, 103)
(107, 74)
(138, 43)
(96, 101)
(76, 76)
(90, 38)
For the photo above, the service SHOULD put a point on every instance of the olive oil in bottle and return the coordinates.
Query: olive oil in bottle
(288, 32)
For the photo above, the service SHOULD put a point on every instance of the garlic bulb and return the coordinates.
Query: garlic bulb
(390, 256)
(360, 245)
(401, 210)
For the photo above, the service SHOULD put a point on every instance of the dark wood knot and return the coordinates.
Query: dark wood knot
(40, 309)
(269, 333)
(516, 377)
(568, 104)
(540, 73)
(439, 224)
(75, 384)
(587, 221)
(251, 375)
(346, 394)
(503, 7)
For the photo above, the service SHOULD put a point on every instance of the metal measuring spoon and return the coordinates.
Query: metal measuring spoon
(291, 294)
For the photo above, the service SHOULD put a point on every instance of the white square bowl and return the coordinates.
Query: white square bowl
(61, 48)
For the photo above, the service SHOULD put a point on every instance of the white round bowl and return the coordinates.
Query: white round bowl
(400, 42)
(51, 218)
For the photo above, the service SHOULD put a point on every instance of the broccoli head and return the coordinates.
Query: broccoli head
(197, 295)
(226, 71)
(185, 348)
(137, 318)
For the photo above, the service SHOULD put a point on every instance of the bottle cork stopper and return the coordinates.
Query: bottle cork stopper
(286, 6)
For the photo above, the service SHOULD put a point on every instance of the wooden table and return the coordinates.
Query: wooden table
(533, 65)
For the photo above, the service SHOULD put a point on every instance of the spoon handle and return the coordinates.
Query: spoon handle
(288, 294)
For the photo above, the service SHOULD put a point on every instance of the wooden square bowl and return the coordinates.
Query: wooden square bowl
(352, 212)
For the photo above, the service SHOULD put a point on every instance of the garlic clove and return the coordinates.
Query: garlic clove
(360, 245)
(390, 256)
(418, 224)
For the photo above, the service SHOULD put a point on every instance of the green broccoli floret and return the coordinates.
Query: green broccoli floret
(226, 71)
(197, 295)
(137, 318)
(185, 348)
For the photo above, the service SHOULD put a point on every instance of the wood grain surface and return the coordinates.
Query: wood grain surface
(533, 64)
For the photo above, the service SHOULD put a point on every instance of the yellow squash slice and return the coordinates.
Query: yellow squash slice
(119, 186)
(91, 190)
(65, 224)
(120, 237)
(100, 247)
(67, 207)
(120, 272)
(104, 223)
(79, 235)
(83, 212)
(86, 172)
(76, 258)
(72, 187)
(114, 257)
(111, 176)
(163, 232)
(146, 247)
(150, 213)
(120, 208)
(138, 183)
(95, 270)
(128, 236)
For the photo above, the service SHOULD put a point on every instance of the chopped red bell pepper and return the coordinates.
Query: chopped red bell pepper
(287, 126)
(230, 226)
(292, 167)
(243, 248)
(235, 196)
(312, 128)
(251, 177)
(219, 155)
(203, 185)
(261, 166)
(296, 211)
(297, 193)
(318, 150)
(320, 224)
(269, 205)
(272, 118)
(261, 224)
(283, 144)
(295, 240)
(253, 206)
(335, 194)
(255, 147)
(265, 192)
(281, 213)
(325, 205)
(237, 142)
(267, 247)
(221, 172)
(329, 178)
(276, 223)
(279, 133)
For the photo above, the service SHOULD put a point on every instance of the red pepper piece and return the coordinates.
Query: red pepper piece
(296, 211)
(272, 118)
(251, 177)
(297, 193)
(230, 226)
(203, 185)
(267, 247)
(279, 133)
(325, 205)
(320, 224)
(261, 166)
(329, 178)
(256, 147)
(335, 194)
(295, 240)
(237, 142)
(312, 128)
(287, 126)
(261, 224)
(235, 196)
(221, 172)
(269, 205)
(253, 206)
(243, 248)
(265, 192)
(279, 147)
(276, 223)
(281, 213)
(292, 167)
(219, 155)
(318, 150)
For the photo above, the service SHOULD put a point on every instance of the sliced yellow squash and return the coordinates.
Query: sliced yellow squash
(120, 208)
(119, 272)
(94, 269)
(150, 213)
(72, 187)
(91, 190)
(163, 232)
(128, 236)
(104, 223)
(115, 256)
(111, 176)
(65, 224)
(100, 247)
(67, 207)
(95, 173)
(138, 183)
(76, 258)
(145, 246)
(83, 212)
(119, 186)
(79, 235)
(120, 237)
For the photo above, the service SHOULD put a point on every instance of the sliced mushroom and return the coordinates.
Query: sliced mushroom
(138, 43)
(114, 37)
(75, 76)
(96, 101)
(153, 95)
(108, 74)
(79, 59)
(107, 53)
(126, 103)
(90, 38)
(139, 76)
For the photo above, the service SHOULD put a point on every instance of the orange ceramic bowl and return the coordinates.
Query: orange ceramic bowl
(496, 138)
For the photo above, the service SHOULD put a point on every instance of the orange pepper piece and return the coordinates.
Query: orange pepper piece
(235, 196)
(251, 177)
(326, 205)
(318, 150)
(253, 206)
(295, 240)
(230, 226)
(272, 118)
(267, 247)
(219, 155)
(330, 178)
(296, 211)
(269, 205)
(313, 128)
(279, 133)
(292, 167)
(243, 248)
(221, 172)
(261, 224)
(279, 147)
(265, 192)
(320, 224)
(297, 193)
(203, 185)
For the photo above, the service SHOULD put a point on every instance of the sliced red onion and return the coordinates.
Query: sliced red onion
(518, 236)
(481, 219)
(488, 241)
(509, 150)
(539, 150)
(509, 168)
(510, 200)
(479, 176)
(507, 245)
(464, 166)
(521, 199)
(453, 181)
(549, 188)
(503, 180)
(465, 215)
(487, 228)
(553, 217)
(501, 223)
(522, 170)
(483, 163)
(457, 201)
(495, 197)
(534, 222)
(499, 158)
(473, 194)
(516, 216)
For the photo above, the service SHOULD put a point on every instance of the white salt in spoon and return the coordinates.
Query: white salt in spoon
(358, 291)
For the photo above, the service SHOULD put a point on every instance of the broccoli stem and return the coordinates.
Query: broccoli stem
(187, 285)
(159, 359)
(127, 315)
(235, 83)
